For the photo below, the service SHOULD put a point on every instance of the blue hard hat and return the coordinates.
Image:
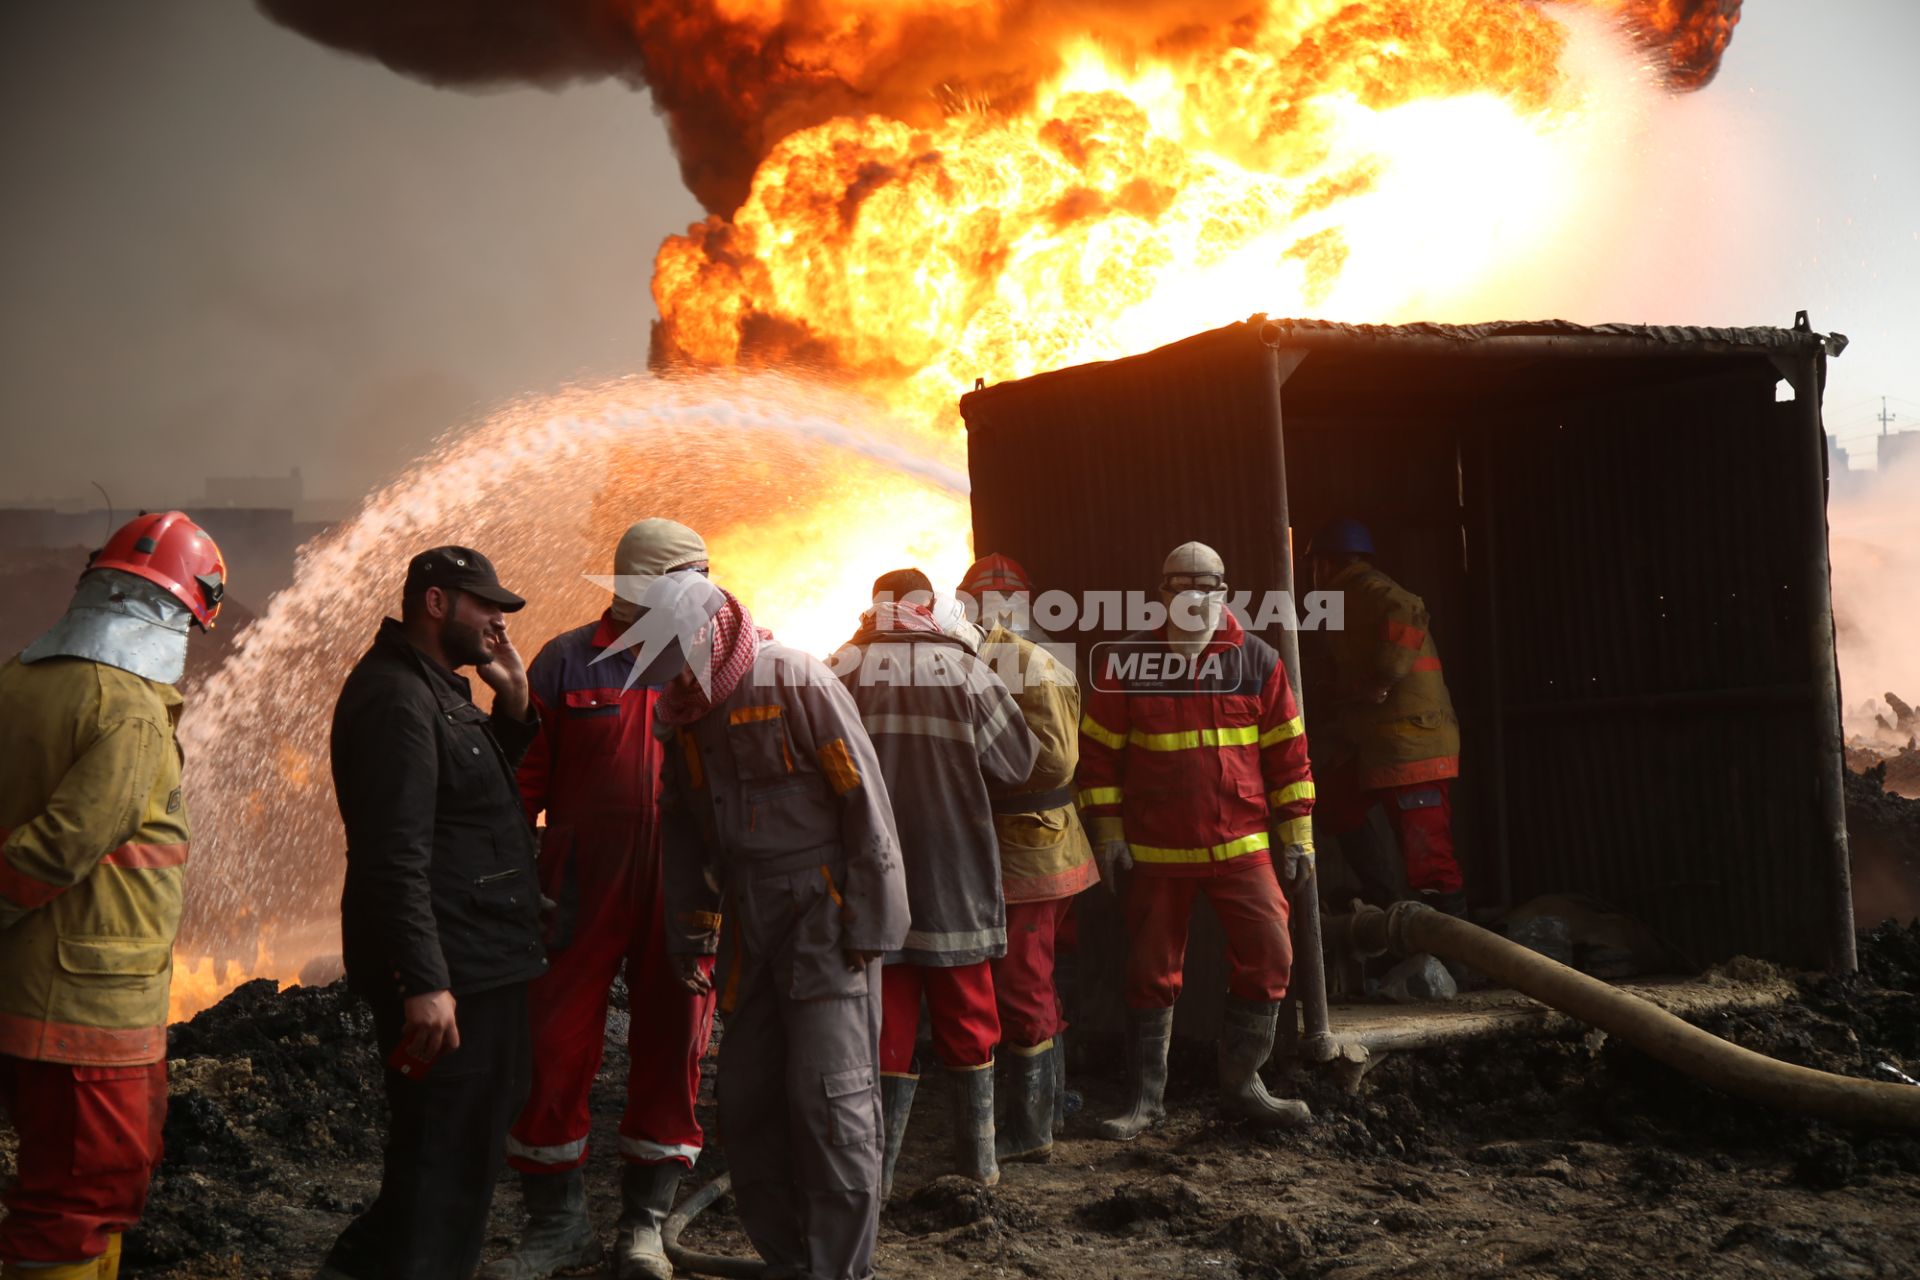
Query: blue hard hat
(1345, 536)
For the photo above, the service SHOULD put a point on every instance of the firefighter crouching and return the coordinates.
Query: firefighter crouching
(92, 873)
(1193, 767)
(594, 771)
(1387, 733)
(772, 803)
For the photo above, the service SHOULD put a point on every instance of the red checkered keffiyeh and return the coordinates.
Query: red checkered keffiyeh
(735, 642)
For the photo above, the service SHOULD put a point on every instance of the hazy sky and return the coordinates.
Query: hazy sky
(229, 251)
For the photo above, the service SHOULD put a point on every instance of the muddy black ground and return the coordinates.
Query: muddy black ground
(1555, 1158)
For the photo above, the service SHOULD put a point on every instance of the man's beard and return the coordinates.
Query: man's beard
(464, 644)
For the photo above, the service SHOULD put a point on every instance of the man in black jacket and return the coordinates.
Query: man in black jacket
(440, 921)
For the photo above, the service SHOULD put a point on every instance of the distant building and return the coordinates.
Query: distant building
(1900, 452)
(255, 491)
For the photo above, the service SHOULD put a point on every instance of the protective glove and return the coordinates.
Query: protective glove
(693, 972)
(1296, 865)
(1113, 857)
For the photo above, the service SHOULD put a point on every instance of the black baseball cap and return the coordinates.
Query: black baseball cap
(460, 569)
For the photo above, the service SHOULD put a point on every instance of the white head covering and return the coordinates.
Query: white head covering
(951, 617)
(646, 551)
(121, 620)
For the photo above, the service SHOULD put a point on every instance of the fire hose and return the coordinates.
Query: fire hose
(1409, 928)
(706, 1264)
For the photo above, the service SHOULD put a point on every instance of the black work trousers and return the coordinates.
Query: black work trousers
(446, 1143)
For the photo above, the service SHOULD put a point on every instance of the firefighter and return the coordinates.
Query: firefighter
(1045, 861)
(945, 729)
(1002, 595)
(773, 804)
(1193, 768)
(594, 772)
(1388, 728)
(92, 871)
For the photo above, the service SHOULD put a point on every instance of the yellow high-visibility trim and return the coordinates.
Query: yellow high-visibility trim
(1091, 796)
(1217, 853)
(747, 715)
(1281, 732)
(837, 762)
(1101, 734)
(1297, 831)
(1289, 793)
(1239, 735)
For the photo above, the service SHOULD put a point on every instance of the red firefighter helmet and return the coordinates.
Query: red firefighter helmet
(169, 550)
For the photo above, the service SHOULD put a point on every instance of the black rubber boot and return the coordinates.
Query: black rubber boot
(1027, 1131)
(558, 1234)
(1152, 1034)
(646, 1199)
(1066, 1102)
(973, 1125)
(1453, 904)
(896, 1104)
(1246, 1042)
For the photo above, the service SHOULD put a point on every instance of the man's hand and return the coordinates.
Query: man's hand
(1113, 857)
(1296, 865)
(506, 675)
(859, 960)
(430, 1029)
(694, 972)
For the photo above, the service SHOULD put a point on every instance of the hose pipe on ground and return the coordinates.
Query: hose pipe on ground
(706, 1264)
(1408, 928)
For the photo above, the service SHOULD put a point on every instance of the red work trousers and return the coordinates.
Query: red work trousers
(1030, 1009)
(667, 1037)
(1252, 913)
(89, 1138)
(966, 1025)
(1421, 815)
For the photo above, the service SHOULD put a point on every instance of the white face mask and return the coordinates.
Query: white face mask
(1195, 612)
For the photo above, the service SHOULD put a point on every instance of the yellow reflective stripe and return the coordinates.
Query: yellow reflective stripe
(1281, 732)
(1217, 853)
(1092, 796)
(1234, 736)
(1297, 831)
(1101, 734)
(1289, 793)
(750, 715)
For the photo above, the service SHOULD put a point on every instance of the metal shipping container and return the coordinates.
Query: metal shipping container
(1620, 532)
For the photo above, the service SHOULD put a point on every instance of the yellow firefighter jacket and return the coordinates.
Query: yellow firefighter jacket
(1413, 736)
(1044, 853)
(93, 862)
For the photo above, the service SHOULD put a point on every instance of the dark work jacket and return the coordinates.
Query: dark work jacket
(441, 891)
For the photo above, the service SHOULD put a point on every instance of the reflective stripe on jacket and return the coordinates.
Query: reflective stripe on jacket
(1413, 736)
(1044, 852)
(1199, 761)
(93, 865)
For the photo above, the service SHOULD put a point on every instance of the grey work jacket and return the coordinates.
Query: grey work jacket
(773, 803)
(944, 727)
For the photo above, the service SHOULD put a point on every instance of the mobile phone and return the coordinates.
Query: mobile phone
(403, 1060)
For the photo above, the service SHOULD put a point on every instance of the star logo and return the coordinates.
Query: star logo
(673, 627)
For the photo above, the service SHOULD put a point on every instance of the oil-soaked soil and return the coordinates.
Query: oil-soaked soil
(1561, 1158)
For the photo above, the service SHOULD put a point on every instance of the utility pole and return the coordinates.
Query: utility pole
(1885, 417)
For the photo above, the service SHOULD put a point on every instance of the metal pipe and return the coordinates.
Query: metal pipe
(706, 1264)
(1829, 740)
(1409, 928)
(1308, 986)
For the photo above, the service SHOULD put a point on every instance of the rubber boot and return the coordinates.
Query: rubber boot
(973, 1125)
(1066, 1102)
(896, 1104)
(646, 1198)
(1152, 1033)
(110, 1260)
(1453, 904)
(1246, 1042)
(1027, 1132)
(558, 1233)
